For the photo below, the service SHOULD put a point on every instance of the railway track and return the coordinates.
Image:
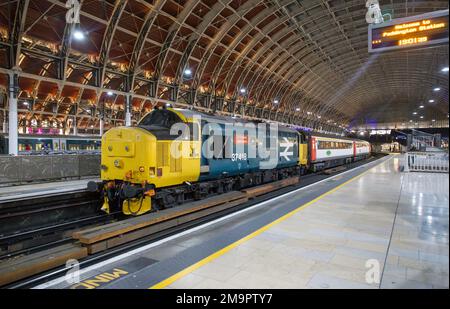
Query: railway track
(28, 224)
(95, 256)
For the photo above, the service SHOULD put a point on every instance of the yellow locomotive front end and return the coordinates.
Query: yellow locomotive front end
(136, 161)
(128, 165)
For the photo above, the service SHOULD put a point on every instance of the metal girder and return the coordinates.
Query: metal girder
(119, 6)
(242, 10)
(173, 30)
(15, 38)
(140, 42)
(193, 40)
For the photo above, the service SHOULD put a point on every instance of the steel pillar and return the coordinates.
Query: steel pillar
(13, 132)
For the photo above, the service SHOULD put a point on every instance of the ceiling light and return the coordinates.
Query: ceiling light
(109, 93)
(243, 90)
(436, 89)
(78, 35)
(431, 101)
(421, 106)
(433, 120)
(297, 109)
(445, 69)
(276, 101)
(188, 72)
(414, 113)
(410, 121)
(421, 117)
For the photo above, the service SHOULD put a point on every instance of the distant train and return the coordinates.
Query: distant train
(139, 174)
(39, 143)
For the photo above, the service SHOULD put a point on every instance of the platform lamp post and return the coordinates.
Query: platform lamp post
(244, 95)
(102, 117)
(12, 130)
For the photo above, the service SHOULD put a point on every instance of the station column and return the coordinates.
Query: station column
(13, 130)
(102, 124)
(128, 111)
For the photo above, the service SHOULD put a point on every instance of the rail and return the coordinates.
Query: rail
(426, 162)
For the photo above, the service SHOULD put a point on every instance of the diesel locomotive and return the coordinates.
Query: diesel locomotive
(140, 172)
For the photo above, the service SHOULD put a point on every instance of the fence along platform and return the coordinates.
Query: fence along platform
(426, 162)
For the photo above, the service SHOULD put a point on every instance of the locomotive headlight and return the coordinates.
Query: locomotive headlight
(141, 169)
(118, 163)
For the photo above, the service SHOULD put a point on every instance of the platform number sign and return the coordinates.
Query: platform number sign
(418, 31)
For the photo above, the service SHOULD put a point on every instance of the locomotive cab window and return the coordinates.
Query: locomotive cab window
(161, 118)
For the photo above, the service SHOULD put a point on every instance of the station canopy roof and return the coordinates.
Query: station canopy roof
(304, 62)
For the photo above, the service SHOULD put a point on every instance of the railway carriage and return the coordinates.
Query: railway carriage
(327, 152)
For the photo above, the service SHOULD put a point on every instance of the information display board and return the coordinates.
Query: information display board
(410, 32)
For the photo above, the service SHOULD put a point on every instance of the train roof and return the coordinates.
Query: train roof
(190, 114)
(334, 136)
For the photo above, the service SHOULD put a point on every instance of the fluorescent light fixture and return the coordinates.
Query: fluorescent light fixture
(421, 106)
(445, 69)
(431, 101)
(188, 72)
(78, 35)
(433, 120)
(436, 89)
(421, 117)
(243, 90)
(109, 93)
(276, 101)
(297, 109)
(414, 113)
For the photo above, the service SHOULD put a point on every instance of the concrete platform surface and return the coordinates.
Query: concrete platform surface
(40, 189)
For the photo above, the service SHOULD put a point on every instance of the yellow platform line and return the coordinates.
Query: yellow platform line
(215, 255)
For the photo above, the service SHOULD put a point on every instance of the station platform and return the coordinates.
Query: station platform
(42, 189)
(370, 227)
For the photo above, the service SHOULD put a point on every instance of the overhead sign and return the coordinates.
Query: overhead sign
(380, 132)
(409, 32)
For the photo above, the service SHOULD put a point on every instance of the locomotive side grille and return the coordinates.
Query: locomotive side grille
(175, 163)
(162, 153)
